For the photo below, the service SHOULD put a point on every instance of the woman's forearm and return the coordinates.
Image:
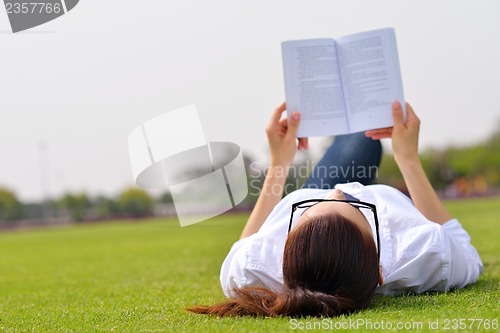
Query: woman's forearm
(405, 146)
(270, 194)
(422, 193)
(281, 135)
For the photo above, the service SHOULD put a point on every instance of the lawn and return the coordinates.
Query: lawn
(140, 276)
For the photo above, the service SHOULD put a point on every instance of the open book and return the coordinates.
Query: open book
(343, 85)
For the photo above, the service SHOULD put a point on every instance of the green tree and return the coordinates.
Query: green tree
(166, 197)
(255, 178)
(446, 165)
(76, 205)
(106, 208)
(135, 202)
(10, 207)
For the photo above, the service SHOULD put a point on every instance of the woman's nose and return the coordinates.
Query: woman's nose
(337, 194)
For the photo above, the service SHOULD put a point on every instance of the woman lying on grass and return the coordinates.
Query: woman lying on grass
(325, 249)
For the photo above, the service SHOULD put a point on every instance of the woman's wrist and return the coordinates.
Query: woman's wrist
(408, 161)
(277, 170)
(278, 165)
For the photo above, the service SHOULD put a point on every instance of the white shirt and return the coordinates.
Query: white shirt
(415, 254)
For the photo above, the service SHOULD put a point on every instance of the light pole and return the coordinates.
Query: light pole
(46, 211)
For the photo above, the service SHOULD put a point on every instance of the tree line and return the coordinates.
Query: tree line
(454, 171)
(473, 170)
(77, 207)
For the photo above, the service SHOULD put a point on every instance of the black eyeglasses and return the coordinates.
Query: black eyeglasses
(354, 203)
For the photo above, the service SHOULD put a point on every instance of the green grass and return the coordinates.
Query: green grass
(139, 277)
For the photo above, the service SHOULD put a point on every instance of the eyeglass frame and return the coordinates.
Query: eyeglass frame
(354, 203)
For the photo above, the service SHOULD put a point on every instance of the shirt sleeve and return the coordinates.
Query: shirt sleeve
(431, 257)
(232, 271)
(251, 262)
(465, 263)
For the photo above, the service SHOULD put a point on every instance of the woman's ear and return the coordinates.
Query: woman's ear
(380, 278)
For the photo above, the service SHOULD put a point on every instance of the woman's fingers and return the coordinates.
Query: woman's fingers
(292, 126)
(283, 122)
(277, 113)
(397, 114)
(384, 133)
(303, 144)
(381, 133)
(412, 121)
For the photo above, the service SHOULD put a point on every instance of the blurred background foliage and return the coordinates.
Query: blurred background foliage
(455, 172)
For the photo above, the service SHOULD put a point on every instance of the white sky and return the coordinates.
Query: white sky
(82, 82)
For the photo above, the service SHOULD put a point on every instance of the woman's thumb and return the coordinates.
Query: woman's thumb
(397, 114)
(293, 124)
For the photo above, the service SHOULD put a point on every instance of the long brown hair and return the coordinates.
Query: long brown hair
(330, 267)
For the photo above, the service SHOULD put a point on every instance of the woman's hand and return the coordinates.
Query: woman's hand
(405, 147)
(404, 135)
(281, 137)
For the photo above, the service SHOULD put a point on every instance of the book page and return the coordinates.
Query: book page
(313, 86)
(372, 78)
